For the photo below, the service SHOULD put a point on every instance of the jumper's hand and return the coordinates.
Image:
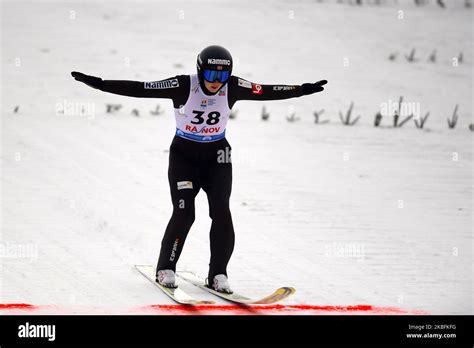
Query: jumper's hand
(310, 88)
(91, 81)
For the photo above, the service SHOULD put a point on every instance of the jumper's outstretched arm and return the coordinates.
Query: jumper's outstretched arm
(240, 89)
(171, 88)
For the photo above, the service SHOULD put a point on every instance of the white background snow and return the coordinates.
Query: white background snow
(347, 215)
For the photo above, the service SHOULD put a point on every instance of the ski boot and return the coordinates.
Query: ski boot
(166, 278)
(220, 283)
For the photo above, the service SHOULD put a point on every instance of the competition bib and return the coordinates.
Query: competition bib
(204, 117)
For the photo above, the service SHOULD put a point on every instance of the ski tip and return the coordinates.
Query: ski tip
(290, 289)
(286, 289)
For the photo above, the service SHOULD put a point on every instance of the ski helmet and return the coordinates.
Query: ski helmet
(214, 63)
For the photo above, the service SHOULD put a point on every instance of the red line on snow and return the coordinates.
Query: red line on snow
(232, 309)
(16, 306)
(276, 308)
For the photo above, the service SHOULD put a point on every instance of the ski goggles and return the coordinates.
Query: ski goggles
(216, 75)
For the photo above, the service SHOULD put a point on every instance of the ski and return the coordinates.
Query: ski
(278, 295)
(175, 294)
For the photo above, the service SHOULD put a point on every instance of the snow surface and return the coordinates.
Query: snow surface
(346, 215)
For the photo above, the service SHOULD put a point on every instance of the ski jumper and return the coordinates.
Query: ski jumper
(199, 156)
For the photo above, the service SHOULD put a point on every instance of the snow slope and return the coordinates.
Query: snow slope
(347, 215)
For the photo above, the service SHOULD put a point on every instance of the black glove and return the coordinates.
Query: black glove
(310, 88)
(92, 81)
